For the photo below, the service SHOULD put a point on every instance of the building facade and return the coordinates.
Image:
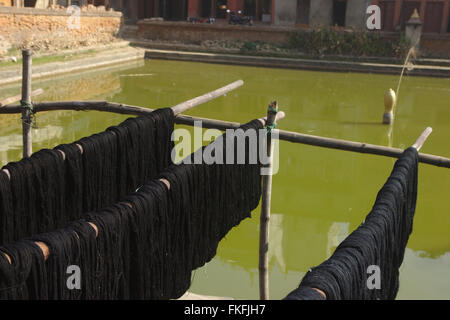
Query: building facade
(434, 14)
(43, 4)
(261, 10)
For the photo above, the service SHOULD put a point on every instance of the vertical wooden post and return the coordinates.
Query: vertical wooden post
(26, 100)
(265, 210)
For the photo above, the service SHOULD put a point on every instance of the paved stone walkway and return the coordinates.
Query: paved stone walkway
(94, 60)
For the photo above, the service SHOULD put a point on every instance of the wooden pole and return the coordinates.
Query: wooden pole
(265, 209)
(184, 106)
(26, 100)
(359, 147)
(207, 123)
(423, 137)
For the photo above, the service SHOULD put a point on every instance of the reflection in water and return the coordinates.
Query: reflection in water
(423, 275)
(337, 233)
(276, 254)
(319, 195)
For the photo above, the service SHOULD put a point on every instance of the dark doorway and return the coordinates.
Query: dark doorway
(221, 9)
(173, 9)
(206, 8)
(250, 8)
(145, 9)
(30, 3)
(433, 17)
(339, 9)
(303, 11)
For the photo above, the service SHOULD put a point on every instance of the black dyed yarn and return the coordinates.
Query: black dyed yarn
(99, 170)
(112, 272)
(380, 241)
(6, 209)
(73, 176)
(148, 244)
(208, 200)
(38, 195)
(144, 148)
(304, 293)
(14, 274)
(46, 192)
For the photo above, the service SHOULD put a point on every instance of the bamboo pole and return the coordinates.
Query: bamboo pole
(290, 136)
(358, 147)
(184, 106)
(17, 98)
(26, 99)
(126, 109)
(265, 210)
(423, 137)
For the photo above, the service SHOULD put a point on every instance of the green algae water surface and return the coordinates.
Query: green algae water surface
(319, 195)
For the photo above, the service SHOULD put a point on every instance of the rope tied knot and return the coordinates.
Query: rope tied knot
(272, 126)
(31, 120)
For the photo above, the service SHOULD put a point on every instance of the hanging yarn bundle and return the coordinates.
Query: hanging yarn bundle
(379, 241)
(147, 245)
(74, 180)
(46, 191)
(208, 200)
(14, 272)
(144, 147)
(37, 195)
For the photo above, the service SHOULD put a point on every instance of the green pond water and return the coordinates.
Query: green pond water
(319, 195)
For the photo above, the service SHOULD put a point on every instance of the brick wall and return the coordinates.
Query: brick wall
(435, 45)
(194, 33)
(47, 30)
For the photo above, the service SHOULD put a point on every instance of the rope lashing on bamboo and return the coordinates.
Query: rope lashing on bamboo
(32, 115)
(272, 126)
